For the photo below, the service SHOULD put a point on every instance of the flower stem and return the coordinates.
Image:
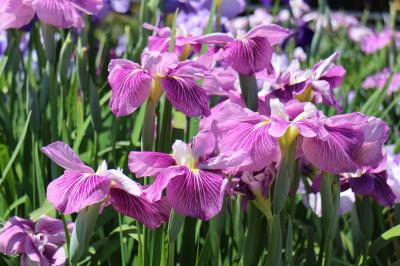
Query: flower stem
(248, 85)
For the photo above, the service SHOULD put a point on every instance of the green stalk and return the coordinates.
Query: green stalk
(83, 229)
(330, 198)
(149, 126)
(285, 173)
(248, 85)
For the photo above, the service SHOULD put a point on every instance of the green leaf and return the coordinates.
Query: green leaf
(17, 149)
(45, 209)
(83, 229)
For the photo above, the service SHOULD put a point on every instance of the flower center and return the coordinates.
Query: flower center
(184, 155)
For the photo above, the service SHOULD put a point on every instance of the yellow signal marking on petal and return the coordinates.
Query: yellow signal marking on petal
(306, 96)
(265, 122)
(195, 171)
(156, 91)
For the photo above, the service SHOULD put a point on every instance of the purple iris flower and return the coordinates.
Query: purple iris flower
(376, 41)
(317, 85)
(132, 83)
(251, 53)
(338, 144)
(303, 35)
(378, 81)
(80, 187)
(229, 8)
(184, 42)
(40, 242)
(393, 171)
(195, 187)
(119, 6)
(372, 183)
(58, 13)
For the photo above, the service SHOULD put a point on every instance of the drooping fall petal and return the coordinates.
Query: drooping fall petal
(74, 191)
(130, 86)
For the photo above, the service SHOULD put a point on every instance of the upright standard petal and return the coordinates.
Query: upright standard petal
(58, 13)
(186, 95)
(64, 156)
(151, 214)
(130, 86)
(197, 193)
(274, 33)
(74, 191)
(149, 163)
(248, 56)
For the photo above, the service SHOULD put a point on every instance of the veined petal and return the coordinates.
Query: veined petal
(58, 13)
(149, 163)
(278, 128)
(15, 14)
(64, 156)
(88, 6)
(74, 191)
(151, 214)
(225, 161)
(130, 86)
(274, 33)
(248, 56)
(154, 191)
(197, 194)
(333, 149)
(250, 136)
(186, 96)
(215, 38)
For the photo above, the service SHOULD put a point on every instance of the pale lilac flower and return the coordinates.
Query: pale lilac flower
(336, 20)
(80, 187)
(299, 54)
(299, 8)
(132, 83)
(229, 8)
(393, 171)
(373, 42)
(378, 81)
(313, 200)
(39, 243)
(250, 53)
(194, 186)
(260, 16)
(357, 33)
(58, 13)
